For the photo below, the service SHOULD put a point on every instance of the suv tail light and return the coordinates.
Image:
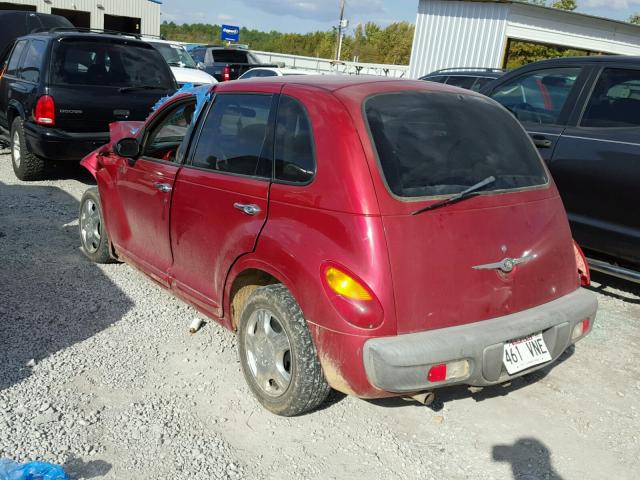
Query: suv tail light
(226, 73)
(45, 111)
(583, 267)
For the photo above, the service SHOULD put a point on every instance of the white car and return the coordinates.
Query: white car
(184, 67)
(273, 72)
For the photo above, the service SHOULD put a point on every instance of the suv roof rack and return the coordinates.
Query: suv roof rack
(464, 69)
(137, 36)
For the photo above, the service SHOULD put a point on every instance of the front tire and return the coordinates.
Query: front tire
(93, 234)
(26, 165)
(277, 355)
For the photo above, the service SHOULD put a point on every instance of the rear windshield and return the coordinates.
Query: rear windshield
(435, 143)
(114, 64)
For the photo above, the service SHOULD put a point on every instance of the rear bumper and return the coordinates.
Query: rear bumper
(400, 364)
(53, 144)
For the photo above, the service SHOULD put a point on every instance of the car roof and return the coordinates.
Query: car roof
(588, 59)
(333, 83)
(63, 33)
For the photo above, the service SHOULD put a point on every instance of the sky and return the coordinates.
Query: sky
(310, 15)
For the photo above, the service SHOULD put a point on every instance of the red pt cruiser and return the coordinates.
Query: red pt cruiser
(380, 237)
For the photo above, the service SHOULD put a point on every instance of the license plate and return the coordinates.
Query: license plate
(524, 353)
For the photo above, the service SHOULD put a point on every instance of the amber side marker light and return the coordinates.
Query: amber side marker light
(583, 267)
(346, 286)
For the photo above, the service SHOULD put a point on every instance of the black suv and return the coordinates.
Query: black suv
(583, 114)
(470, 78)
(59, 91)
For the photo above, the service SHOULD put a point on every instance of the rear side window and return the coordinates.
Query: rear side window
(234, 136)
(615, 101)
(460, 81)
(480, 82)
(434, 143)
(294, 157)
(539, 96)
(33, 57)
(114, 64)
(16, 55)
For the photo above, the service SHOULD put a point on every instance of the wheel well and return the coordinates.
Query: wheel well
(243, 286)
(12, 112)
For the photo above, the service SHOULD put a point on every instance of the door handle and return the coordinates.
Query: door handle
(163, 187)
(249, 209)
(541, 142)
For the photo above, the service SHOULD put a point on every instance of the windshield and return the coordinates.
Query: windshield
(82, 62)
(434, 143)
(175, 55)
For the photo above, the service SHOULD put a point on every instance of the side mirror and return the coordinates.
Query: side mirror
(201, 66)
(128, 148)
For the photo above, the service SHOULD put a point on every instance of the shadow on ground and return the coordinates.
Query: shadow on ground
(51, 296)
(529, 459)
(613, 287)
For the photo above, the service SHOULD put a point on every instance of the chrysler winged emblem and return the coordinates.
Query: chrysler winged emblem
(507, 264)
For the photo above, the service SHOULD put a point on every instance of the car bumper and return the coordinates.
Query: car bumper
(54, 144)
(400, 364)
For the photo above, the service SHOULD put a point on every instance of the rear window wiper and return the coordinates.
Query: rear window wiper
(472, 191)
(133, 88)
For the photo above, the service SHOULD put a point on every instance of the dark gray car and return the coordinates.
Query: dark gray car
(583, 114)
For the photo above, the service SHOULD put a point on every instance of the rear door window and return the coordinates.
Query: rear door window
(615, 101)
(234, 136)
(81, 62)
(16, 56)
(461, 81)
(33, 59)
(539, 96)
(435, 143)
(294, 152)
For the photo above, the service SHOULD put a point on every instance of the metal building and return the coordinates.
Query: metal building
(468, 33)
(133, 16)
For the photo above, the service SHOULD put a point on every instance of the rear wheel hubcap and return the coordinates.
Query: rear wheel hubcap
(268, 352)
(90, 226)
(15, 149)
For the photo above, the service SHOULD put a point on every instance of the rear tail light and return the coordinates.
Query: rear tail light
(45, 111)
(580, 330)
(226, 73)
(583, 267)
(443, 372)
(353, 300)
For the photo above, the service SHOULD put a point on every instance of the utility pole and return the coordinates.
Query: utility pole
(340, 27)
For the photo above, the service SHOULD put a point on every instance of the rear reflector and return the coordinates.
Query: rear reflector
(449, 371)
(226, 74)
(580, 330)
(45, 111)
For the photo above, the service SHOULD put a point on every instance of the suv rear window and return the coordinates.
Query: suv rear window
(433, 143)
(232, 56)
(81, 62)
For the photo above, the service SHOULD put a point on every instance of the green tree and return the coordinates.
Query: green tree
(569, 5)
(635, 19)
(370, 42)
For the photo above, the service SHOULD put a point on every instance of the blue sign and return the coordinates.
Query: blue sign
(230, 33)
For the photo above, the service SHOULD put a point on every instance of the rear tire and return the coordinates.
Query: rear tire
(277, 355)
(26, 165)
(93, 234)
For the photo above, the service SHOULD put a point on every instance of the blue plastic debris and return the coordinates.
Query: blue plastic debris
(10, 470)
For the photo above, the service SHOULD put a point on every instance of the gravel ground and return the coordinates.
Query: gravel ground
(99, 373)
